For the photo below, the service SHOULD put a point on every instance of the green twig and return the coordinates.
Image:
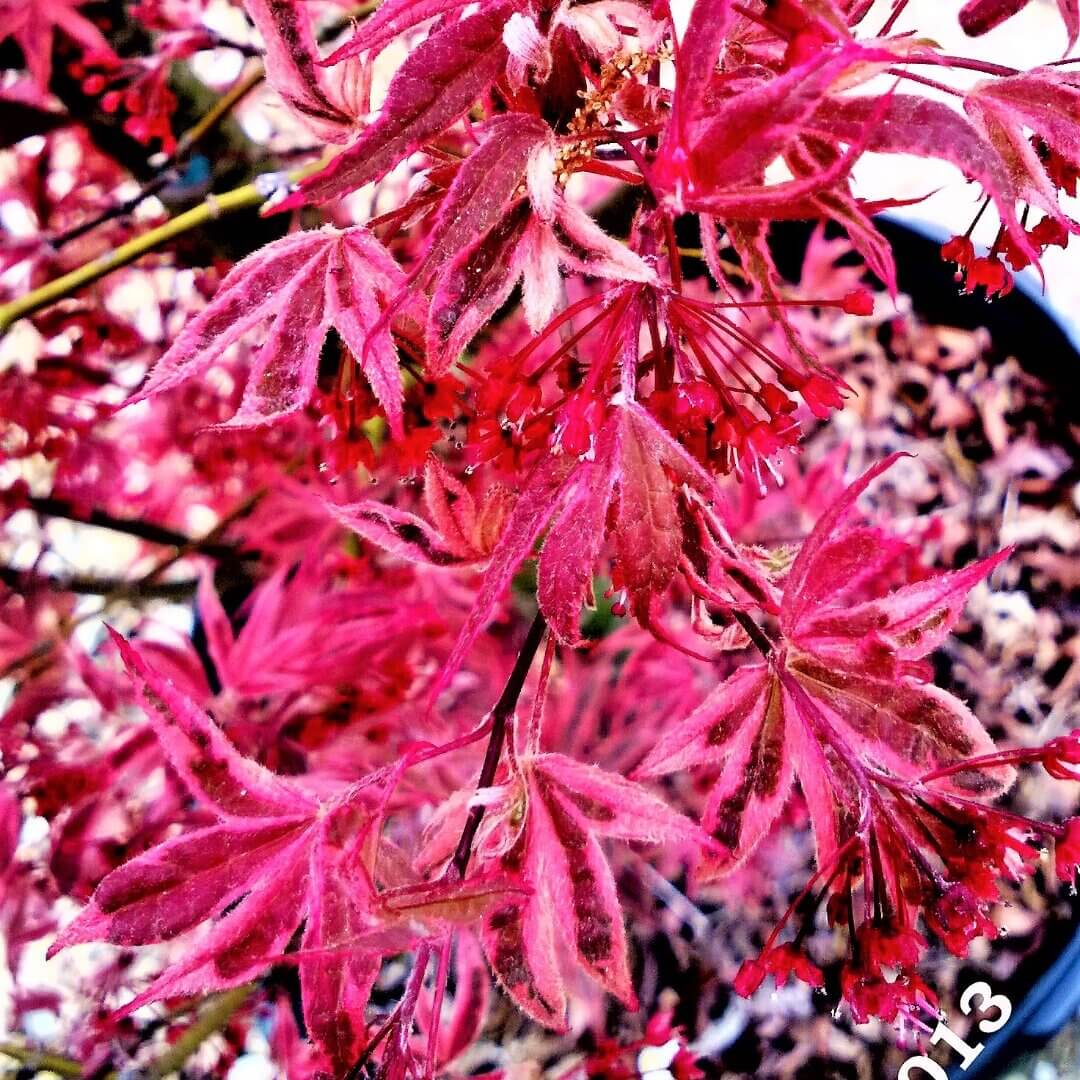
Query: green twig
(217, 1013)
(41, 1060)
(212, 207)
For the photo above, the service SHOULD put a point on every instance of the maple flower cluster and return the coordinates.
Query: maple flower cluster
(438, 612)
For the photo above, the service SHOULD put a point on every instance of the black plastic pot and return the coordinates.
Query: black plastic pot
(1045, 988)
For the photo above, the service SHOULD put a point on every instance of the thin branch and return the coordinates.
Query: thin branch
(88, 586)
(218, 1012)
(890, 22)
(49, 506)
(503, 710)
(41, 1060)
(167, 175)
(755, 633)
(245, 197)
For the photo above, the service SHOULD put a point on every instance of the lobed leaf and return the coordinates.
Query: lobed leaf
(435, 85)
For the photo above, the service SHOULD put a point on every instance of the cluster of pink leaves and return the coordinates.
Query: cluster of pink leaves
(296, 784)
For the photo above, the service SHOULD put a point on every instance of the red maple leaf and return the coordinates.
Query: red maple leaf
(436, 84)
(542, 828)
(980, 16)
(299, 286)
(278, 857)
(845, 691)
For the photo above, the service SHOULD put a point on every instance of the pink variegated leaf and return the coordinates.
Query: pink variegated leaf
(843, 698)
(180, 883)
(573, 543)
(907, 727)
(840, 206)
(658, 443)
(927, 128)
(284, 370)
(735, 140)
(453, 509)
(755, 781)
(706, 736)
(757, 201)
(238, 946)
(519, 937)
(828, 786)
(698, 53)
(335, 994)
(648, 539)
(580, 889)
(716, 162)
(827, 527)
(978, 17)
(842, 566)
(911, 620)
(393, 18)
(537, 260)
(250, 294)
(293, 67)
(299, 286)
(1044, 100)
(220, 639)
(616, 808)
(472, 287)
(1070, 14)
(353, 306)
(263, 610)
(541, 495)
(572, 908)
(587, 249)
(233, 787)
(278, 858)
(483, 186)
(402, 534)
(435, 85)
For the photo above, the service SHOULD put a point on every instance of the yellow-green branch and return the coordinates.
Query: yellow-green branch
(211, 208)
(41, 1060)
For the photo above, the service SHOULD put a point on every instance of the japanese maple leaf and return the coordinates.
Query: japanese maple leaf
(543, 828)
(1045, 100)
(328, 102)
(980, 16)
(278, 857)
(536, 238)
(985, 151)
(434, 87)
(462, 529)
(716, 151)
(299, 286)
(847, 682)
(297, 637)
(33, 26)
(396, 17)
(627, 488)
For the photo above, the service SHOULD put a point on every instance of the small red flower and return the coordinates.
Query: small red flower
(1067, 851)
(990, 273)
(750, 976)
(959, 917)
(959, 250)
(859, 302)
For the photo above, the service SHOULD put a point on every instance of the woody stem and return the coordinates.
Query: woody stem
(244, 197)
(755, 633)
(217, 1013)
(502, 712)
